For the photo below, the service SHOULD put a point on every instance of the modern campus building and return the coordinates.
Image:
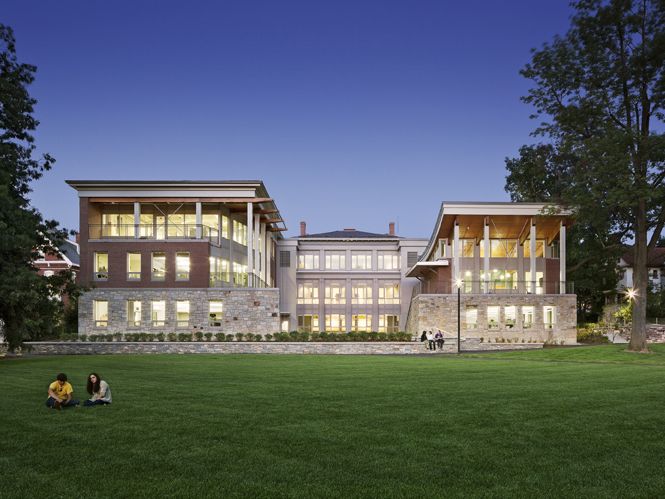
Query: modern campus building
(177, 255)
(346, 280)
(209, 256)
(502, 267)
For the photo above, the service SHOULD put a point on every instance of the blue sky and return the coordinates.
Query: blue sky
(353, 113)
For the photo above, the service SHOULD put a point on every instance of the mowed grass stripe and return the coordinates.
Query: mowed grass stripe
(556, 422)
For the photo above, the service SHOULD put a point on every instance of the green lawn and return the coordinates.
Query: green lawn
(584, 422)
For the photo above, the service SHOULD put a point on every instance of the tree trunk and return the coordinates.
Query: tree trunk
(638, 337)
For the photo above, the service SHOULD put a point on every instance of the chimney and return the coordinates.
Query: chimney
(391, 228)
(303, 229)
(77, 238)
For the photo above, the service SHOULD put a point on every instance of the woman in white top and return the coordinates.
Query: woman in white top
(99, 389)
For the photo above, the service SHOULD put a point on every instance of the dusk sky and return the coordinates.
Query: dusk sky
(354, 114)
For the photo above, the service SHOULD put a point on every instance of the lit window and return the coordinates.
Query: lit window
(146, 226)
(134, 313)
(501, 248)
(389, 294)
(133, 266)
(388, 323)
(225, 227)
(539, 282)
(388, 260)
(493, 317)
(158, 313)
(361, 323)
(471, 316)
(335, 323)
(182, 313)
(240, 277)
(117, 225)
(101, 263)
(335, 260)
(182, 266)
(308, 261)
(158, 266)
(308, 293)
(215, 313)
(335, 294)
(361, 260)
(540, 245)
(361, 293)
(181, 226)
(210, 229)
(510, 316)
(100, 311)
(527, 317)
(240, 232)
(467, 247)
(308, 323)
(549, 316)
(219, 270)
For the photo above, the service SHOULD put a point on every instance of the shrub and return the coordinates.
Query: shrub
(198, 335)
(591, 334)
(171, 337)
(83, 337)
(184, 336)
(220, 336)
(160, 336)
(229, 337)
(268, 337)
(239, 336)
(208, 336)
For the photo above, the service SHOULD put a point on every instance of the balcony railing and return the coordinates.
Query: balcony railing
(497, 287)
(158, 232)
(236, 280)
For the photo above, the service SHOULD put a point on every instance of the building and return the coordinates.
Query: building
(175, 256)
(65, 258)
(346, 280)
(508, 261)
(655, 269)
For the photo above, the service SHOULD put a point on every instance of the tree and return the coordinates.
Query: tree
(28, 308)
(600, 90)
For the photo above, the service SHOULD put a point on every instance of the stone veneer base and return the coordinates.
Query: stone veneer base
(315, 348)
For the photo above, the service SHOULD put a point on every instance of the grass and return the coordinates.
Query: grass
(556, 422)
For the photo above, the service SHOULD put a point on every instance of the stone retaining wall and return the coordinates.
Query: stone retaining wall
(350, 348)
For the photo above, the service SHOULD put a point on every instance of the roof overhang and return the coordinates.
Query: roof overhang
(421, 269)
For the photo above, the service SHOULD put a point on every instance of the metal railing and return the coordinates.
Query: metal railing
(157, 232)
(236, 280)
(496, 287)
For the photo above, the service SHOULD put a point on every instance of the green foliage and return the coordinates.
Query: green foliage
(591, 334)
(198, 335)
(172, 337)
(208, 336)
(624, 314)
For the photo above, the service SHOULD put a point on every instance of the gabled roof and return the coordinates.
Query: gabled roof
(70, 250)
(655, 257)
(348, 234)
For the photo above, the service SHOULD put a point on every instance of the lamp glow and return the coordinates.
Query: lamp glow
(631, 294)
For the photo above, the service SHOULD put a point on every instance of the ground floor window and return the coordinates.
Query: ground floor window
(549, 316)
(215, 313)
(335, 323)
(158, 313)
(100, 312)
(388, 323)
(471, 316)
(510, 316)
(527, 317)
(493, 317)
(361, 323)
(133, 313)
(308, 323)
(182, 313)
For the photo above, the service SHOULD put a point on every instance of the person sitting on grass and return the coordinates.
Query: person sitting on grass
(60, 393)
(99, 389)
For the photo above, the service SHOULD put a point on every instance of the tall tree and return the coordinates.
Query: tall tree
(28, 309)
(600, 90)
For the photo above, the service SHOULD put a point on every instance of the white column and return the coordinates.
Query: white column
(486, 257)
(268, 251)
(231, 243)
(457, 274)
(250, 243)
(199, 220)
(562, 259)
(532, 256)
(137, 219)
(257, 243)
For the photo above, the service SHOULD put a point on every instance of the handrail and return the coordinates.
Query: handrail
(150, 231)
(507, 287)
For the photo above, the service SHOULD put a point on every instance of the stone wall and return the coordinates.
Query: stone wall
(432, 312)
(245, 310)
(350, 348)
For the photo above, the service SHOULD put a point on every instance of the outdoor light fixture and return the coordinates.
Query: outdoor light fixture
(630, 294)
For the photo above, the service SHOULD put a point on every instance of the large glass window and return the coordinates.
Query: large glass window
(133, 313)
(101, 266)
(215, 313)
(240, 232)
(158, 313)
(117, 225)
(388, 260)
(240, 277)
(225, 227)
(146, 226)
(527, 317)
(210, 225)
(308, 323)
(539, 282)
(182, 313)
(471, 316)
(158, 266)
(100, 313)
(540, 248)
(335, 323)
(182, 226)
(388, 294)
(501, 248)
(493, 317)
(335, 293)
(510, 316)
(335, 260)
(133, 266)
(361, 323)
(182, 266)
(361, 260)
(388, 323)
(468, 246)
(361, 293)
(219, 270)
(549, 316)
(503, 279)
(308, 293)
(308, 261)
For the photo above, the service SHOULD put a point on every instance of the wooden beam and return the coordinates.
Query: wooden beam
(273, 220)
(265, 212)
(524, 233)
(131, 199)
(276, 229)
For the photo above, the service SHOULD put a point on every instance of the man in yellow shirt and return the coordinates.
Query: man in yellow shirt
(60, 393)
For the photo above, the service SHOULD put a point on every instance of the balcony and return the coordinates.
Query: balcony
(496, 287)
(236, 280)
(154, 232)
